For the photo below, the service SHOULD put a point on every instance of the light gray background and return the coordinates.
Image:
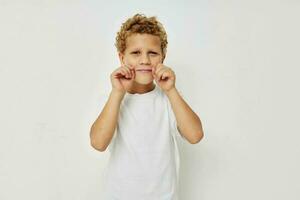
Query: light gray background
(236, 63)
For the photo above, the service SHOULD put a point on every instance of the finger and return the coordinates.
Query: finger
(122, 72)
(158, 72)
(127, 71)
(119, 74)
(166, 74)
(133, 73)
(162, 73)
(130, 68)
(158, 67)
(119, 71)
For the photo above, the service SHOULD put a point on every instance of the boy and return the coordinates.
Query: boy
(139, 120)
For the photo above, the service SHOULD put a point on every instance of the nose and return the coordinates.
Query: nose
(145, 60)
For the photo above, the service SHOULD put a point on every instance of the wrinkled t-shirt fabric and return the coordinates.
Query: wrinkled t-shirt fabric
(144, 158)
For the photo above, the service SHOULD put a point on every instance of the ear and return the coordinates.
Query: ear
(121, 58)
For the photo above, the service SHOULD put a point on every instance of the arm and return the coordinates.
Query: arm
(103, 128)
(189, 124)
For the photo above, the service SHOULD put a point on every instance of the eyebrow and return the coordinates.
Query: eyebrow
(148, 51)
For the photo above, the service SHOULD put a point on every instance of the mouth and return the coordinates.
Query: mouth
(144, 70)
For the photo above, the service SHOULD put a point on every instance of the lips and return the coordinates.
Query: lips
(145, 70)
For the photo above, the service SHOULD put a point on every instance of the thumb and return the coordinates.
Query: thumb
(133, 74)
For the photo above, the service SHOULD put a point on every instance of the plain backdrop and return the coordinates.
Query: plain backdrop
(236, 64)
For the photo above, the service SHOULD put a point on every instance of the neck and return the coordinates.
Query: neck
(140, 88)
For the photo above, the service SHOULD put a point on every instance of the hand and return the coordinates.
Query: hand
(164, 77)
(122, 78)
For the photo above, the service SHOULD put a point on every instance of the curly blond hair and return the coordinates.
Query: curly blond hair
(139, 23)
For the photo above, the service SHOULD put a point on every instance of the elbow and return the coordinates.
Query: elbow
(95, 143)
(199, 136)
(96, 146)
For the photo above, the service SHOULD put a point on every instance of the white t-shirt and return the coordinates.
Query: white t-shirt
(144, 159)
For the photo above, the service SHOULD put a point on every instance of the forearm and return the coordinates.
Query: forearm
(104, 126)
(188, 122)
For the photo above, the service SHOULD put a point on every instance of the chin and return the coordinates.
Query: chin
(144, 81)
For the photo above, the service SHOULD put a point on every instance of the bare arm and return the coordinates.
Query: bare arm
(102, 130)
(189, 124)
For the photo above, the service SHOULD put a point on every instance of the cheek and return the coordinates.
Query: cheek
(131, 63)
(159, 60)
(156, 63)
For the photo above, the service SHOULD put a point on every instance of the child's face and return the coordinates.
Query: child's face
(143, 51)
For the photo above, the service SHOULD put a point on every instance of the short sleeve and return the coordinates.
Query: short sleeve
(173, 121)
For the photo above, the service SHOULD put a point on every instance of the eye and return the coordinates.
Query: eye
(135, 52)
(152, 52)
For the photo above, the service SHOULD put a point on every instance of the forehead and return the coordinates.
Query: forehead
(140, 41)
